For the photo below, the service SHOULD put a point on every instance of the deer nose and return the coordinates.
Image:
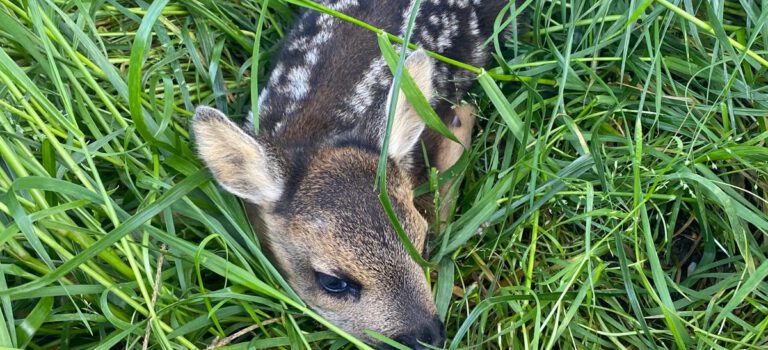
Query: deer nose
(430, 332)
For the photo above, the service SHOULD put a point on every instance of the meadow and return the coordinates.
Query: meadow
(615, 195)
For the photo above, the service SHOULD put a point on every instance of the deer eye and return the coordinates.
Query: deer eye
(335, 285)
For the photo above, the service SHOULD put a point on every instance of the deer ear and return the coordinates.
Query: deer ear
(407, 125)
(239, 163)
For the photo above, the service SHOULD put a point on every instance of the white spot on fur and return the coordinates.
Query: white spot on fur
(324, 22)
(322, 37)
(450, 30)
(248, 125)
(433, 19)
(479, 52)
(374, 75)
(277, 74)
(459, 3)
(298, 44)
(278, 128)
(441, 76)
(474, 25)
(292, 108)
(427, 40)
(342, 5)
(263, 108)
(407, 14)
(298, 82)
(311, 56)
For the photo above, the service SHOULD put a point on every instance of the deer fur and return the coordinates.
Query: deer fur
(307, 176)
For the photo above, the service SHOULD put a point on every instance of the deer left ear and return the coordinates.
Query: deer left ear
(241, 164)
(407, 125)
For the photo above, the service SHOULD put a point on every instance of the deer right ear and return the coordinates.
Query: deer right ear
(240, 163)
(407, 125)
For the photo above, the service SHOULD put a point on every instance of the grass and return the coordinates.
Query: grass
(615, 195)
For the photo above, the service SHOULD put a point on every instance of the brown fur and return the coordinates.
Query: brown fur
(308, 178)
(330, 220)
(343, 236)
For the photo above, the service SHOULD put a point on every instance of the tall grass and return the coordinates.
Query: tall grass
(615, 195)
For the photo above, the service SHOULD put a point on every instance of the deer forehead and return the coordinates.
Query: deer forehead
(340, 185)
(359, 253)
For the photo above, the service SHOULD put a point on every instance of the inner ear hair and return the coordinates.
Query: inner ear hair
(240, 163)
(407, 125)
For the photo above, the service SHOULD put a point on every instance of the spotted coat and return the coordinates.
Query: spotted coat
(330, 81)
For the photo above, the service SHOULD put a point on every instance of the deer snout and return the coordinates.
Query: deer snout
(430, 331)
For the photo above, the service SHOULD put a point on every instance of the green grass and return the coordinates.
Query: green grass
(615, 195)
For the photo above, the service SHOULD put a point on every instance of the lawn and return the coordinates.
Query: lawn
(615, 195)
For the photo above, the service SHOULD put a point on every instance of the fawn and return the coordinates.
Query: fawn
(307, 176)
